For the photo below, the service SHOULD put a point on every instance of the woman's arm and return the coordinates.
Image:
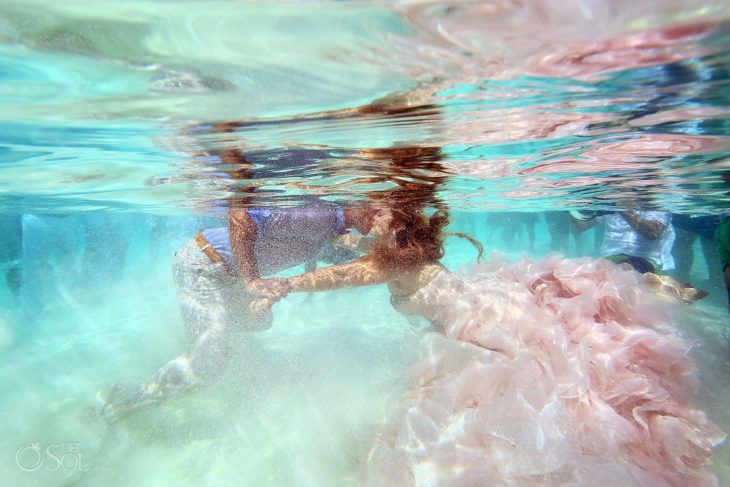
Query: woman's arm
(360, 272)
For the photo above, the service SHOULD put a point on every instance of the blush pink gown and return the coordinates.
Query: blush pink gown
(558, 372)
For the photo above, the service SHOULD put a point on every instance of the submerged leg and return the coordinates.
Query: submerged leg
(198, 367)
(214, 306)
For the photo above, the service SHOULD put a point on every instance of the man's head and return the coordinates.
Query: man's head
(360, 217)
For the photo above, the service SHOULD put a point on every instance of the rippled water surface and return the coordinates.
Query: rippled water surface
(531, 103)
(126, 126)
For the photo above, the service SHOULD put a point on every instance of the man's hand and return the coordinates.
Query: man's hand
(267, 292)
(269, 287)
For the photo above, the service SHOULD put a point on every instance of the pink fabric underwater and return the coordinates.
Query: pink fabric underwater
(558, 372)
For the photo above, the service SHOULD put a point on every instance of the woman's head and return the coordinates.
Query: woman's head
(361, 217)
(413, 238)
(411, 233)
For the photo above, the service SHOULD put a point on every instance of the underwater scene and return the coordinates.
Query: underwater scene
(364, 243)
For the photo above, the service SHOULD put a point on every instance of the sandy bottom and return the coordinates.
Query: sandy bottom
(298, 405)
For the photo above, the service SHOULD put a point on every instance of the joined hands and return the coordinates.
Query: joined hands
(267, 292)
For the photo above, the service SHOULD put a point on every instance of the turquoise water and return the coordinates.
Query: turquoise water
(105, 171)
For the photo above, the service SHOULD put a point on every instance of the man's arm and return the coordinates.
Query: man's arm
(243, 239)
(651, 229)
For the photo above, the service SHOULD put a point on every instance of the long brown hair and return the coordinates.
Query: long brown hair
(418, 217)
(416, 239)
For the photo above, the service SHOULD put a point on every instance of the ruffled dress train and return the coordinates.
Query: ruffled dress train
(557, 372)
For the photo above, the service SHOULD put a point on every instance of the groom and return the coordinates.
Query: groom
(218, 274)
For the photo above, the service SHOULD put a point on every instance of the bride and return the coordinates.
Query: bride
(549, 372)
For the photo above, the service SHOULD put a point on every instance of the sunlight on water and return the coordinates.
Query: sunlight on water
(127, 127)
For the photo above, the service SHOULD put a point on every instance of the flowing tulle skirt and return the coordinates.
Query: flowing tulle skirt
(564, 372)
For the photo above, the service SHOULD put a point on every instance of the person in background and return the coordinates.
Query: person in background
(722, 237)
(11, 249)
(642, 239)
(689, 228)
(510, 223)
(560, 230)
